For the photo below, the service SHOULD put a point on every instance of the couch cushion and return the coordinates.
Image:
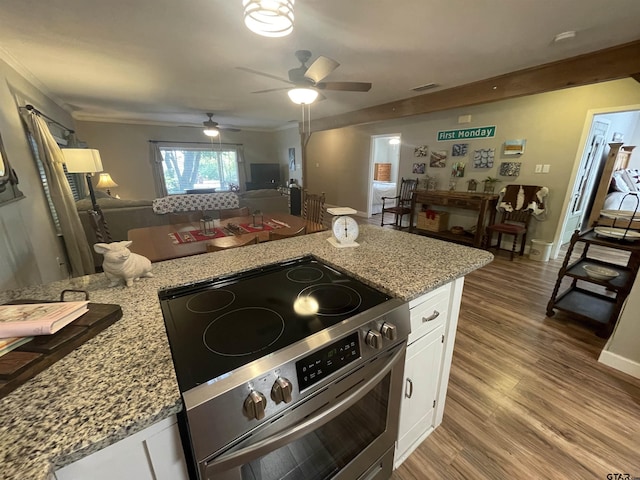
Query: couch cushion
(111, 202)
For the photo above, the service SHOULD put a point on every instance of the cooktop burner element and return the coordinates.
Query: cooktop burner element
(219, 325)
(243, 331)
(210, 301)
(333, 299)
(304, 274)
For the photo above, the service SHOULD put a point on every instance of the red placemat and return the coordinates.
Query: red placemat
(195, 236)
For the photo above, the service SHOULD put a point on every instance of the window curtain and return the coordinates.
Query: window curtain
(78, 250)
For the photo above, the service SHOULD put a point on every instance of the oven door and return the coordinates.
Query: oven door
(346, 430)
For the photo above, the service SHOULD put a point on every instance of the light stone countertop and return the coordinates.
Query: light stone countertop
(123, 381)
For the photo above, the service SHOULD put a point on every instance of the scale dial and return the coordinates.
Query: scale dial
(345, 230)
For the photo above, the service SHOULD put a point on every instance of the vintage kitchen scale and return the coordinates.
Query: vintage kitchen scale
(344, 229)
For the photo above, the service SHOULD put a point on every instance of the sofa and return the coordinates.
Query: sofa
(124, 215)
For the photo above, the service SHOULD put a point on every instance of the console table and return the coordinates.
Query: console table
(480, 202)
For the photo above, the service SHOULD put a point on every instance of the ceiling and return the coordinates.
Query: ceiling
(169, 61)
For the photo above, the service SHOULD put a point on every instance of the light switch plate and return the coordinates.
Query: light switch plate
(538, 168)
(545, 168)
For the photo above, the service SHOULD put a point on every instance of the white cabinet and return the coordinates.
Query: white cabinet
(152, 454)
(434, 319)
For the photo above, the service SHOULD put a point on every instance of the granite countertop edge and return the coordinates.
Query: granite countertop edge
(129, 364)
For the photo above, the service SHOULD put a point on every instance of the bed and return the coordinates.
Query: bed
(382, 189)
(623, 182)
(616, 182)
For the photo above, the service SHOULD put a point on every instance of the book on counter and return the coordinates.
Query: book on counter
(11, 343)
(30, 319)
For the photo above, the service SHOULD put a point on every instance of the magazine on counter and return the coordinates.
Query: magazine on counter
(38, 318)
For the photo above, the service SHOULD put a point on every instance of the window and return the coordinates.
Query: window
(190, 167)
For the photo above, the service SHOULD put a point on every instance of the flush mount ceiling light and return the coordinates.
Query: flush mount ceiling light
(303, 96)
(269, 18)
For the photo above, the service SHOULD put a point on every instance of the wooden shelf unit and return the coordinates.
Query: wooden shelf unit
(599, 309)
(483, 203)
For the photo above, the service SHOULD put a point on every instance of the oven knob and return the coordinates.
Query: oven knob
(254, 405)
(389, 331)
(373, 339)
(281, 390)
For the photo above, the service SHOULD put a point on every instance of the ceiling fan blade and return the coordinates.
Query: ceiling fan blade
(268, 75)
(272, 90)
(345, 86)
(229, 129)
(321, 68)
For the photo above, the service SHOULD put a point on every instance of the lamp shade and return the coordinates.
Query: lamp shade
(269, 18)
(106, 182)
(303, 95)
(82, 160)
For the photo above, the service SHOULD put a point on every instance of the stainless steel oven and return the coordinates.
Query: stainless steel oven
(322, 405)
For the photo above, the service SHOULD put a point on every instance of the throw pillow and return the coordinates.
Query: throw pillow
(618, 182)
(632, 179)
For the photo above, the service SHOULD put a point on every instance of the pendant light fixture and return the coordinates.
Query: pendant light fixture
(269, 18)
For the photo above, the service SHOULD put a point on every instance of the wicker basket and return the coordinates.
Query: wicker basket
(433, 220)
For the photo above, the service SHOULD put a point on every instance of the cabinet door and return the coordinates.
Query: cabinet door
(421, 377)
(152, 454)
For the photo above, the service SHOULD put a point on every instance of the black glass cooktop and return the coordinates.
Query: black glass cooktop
(217, 326)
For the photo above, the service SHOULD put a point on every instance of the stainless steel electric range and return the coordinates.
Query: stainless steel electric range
(291, 371)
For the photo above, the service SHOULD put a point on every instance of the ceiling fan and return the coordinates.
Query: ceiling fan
(312, 76)
(213, 129)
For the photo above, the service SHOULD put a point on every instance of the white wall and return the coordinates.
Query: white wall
(552, 123)
(30, 251)
(285, 139)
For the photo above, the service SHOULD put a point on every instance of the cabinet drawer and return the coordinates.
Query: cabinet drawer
(429, 311)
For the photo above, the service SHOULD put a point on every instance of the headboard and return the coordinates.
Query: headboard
(618, 159)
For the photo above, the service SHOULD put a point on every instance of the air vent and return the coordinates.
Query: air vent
(426, 86)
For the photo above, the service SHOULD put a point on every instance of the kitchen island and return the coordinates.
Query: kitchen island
(122, 381)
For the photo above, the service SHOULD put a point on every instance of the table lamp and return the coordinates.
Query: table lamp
(87, 161)
(106, 183)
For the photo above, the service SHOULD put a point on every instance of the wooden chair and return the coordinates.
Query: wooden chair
(402, 205)
(275, 235)
(313, 212)
(214, 246)
(234, 212)
(513, 223)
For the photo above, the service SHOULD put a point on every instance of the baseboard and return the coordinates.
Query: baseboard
(620, 363)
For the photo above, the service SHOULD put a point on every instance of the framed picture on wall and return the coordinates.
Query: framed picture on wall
(292, 159)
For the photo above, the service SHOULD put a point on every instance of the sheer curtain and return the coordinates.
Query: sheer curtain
(76, 244)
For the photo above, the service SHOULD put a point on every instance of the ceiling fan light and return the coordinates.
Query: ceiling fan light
(269, 18)
(211, 132)
(304, 96)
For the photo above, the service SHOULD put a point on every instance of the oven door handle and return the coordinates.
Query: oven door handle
(261, 448)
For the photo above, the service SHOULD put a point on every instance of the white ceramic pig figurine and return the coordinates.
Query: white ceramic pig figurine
(119, 262)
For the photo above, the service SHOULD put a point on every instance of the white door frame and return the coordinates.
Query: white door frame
(562, 223)
(372, 165)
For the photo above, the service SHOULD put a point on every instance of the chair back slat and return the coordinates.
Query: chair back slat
(313, 207)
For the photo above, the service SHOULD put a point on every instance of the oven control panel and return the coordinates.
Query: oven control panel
(322, 363)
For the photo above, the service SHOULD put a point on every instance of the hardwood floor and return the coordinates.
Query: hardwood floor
(527, 397)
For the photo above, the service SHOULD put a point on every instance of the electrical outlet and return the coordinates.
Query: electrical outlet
(538, 168)
(546, 168)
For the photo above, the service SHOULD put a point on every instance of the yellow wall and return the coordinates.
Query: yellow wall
(552, 123)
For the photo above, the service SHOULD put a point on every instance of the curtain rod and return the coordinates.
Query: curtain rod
(31, 108)
(195, 143)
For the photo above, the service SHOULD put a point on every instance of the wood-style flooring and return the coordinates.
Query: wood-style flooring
(527, 397)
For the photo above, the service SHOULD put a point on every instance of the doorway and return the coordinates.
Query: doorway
(621, 122)
(384, 164)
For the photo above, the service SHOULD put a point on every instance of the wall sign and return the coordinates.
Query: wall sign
(467, 133)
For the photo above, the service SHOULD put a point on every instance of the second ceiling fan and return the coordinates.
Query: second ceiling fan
(312, 76)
